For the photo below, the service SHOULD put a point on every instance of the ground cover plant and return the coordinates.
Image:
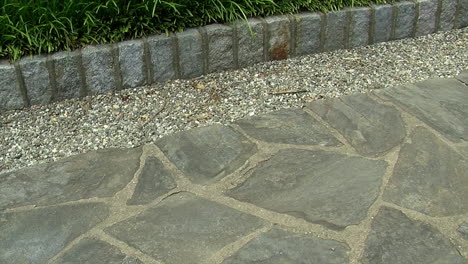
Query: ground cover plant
(30, 27)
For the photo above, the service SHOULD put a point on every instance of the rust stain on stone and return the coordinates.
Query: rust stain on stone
(280, 52)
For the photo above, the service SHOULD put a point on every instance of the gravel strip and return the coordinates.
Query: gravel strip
(137, 116)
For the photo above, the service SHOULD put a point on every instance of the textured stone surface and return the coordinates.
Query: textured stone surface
(92, 251)
(335, 34)
(190, 53)
(99, 71)
(207, 154)
(220, 51)
(308, 33)
(36, 236)
(184, 229)
(426, 23)
(10, 97)
(36, 79)
(363, 122)
(321, 187)
(250, 48)
(443, 109)
(93, 174)
(429, 177)
(382, 31)
(463, 230)
(162, 61)
(67, 75)
(289, 126)
(462, 17)
(359, 28)
(447, 14)
(405, 18)
(281, 247)
(279, 37)
(396, 239)
(155, 181)
(463, 77)
(132, 67)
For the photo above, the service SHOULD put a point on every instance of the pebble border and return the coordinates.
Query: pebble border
(107, 68)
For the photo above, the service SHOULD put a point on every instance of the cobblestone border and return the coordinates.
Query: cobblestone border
(212, 48)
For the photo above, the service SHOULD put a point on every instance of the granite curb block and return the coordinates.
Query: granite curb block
(195, 52)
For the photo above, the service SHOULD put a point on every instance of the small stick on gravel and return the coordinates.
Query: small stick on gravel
(288, 92)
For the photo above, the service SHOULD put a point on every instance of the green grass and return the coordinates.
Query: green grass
(29, 27)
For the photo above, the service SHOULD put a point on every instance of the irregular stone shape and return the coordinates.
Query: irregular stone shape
(220, 52)
(426, 23)
(94, 174)
(10, 97)
(250, 47)
(335, 34)
(37, 235)
(404, 21)
(440, 103)
(448, 11)
(463, 229)
(132, 65)
(207, 154)
(279, 37)
(190, 53)
(429, 177)
(359, 28)
(383, 16)
(155, 181)
(309, 26)
(371, 128)
(67, 75)
(321, 187)
(162, 58)
(184, 228)
(99, 70)
(288, 127)
(91, 251)
(462, 17)
(278, 246)
(463, 77)
(396, 239)
(36, 79)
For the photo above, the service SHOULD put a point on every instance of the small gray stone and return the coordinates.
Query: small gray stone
(99, 70)
(184, 228)
(363, 122)
(288, 127)
(309, 26)
(463, 77)
(429, 177)
(396, 239)
(321, 187)
(448, 13)
(162, 58)
(383, 16)
(207, 154)
(462, 14)
(281, 247)
(38, 235)
(94, 174)
(10, 97)
(335, 34)
(190, 53)
(405, 18)
(463, 229)
(36, 79)
(155, 181)
(220, 52)
(67, 75)
(426, 23)
(280, 36)
(131, 63)
(250, 46)
(359, 28)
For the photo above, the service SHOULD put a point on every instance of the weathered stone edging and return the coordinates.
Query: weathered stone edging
(195, 52)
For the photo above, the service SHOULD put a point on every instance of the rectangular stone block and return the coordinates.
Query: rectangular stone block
(250, 47)
(359, 27)
(162, 58)
(190, 53)
(462, 14)
(309, 26)
(382, 19)
(427, 13)
(67, 75)
(279, 37)
(448, 11)
(335, 34)
(10, 96)
(404, 20)
(99, 70)
(132, 64)
(36, 79)
(220, 48)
